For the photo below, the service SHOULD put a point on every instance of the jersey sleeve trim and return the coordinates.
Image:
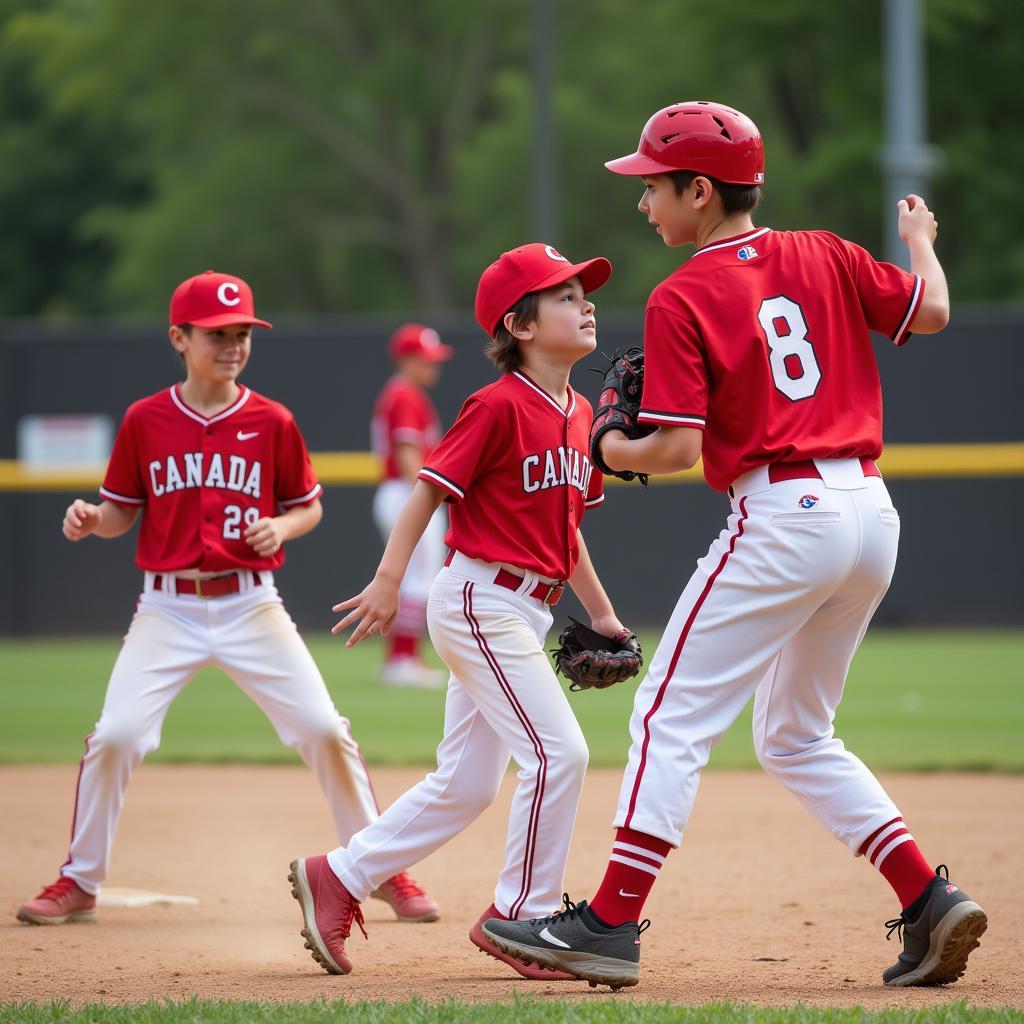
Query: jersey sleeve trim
(433, 477)
(670, 419)
(304, 500)
(917, 295)
(594, 502)
(120, 499)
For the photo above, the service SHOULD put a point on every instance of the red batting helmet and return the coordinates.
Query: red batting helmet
(700, 136)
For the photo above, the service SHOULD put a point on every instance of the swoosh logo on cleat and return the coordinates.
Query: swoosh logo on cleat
(548, 937)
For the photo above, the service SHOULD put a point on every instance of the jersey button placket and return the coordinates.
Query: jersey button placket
(206, 496)
(568, 499)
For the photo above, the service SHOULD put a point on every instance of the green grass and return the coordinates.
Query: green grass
(915, 700)
(522, 1011)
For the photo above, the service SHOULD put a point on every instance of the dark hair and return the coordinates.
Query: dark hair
(503, 348)
(735, 198)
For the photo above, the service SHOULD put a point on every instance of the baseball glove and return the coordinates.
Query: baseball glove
(591, 660)
(618, 406)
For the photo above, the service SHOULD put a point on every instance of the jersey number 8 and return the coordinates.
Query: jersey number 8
(233, 516)
(791, 356)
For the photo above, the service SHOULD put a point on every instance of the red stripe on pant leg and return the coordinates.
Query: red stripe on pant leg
(538, 747)
(675, 660)
(74, 812)
(538, 793)
(533, 823)
(366, 769)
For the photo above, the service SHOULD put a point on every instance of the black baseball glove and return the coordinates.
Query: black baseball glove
(618, 406)
(591, 660)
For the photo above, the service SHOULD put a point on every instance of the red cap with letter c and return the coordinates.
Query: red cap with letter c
(214, 300)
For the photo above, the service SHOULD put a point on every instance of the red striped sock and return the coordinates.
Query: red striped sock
(633, 867)
(893, 851)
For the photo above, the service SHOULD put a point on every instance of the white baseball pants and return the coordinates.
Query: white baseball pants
(503, 698)
(251, 637)
(776, 608)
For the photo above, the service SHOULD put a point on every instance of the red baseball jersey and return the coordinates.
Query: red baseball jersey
(517, 470)
(202, 482)
(403, 414)
(763, 339)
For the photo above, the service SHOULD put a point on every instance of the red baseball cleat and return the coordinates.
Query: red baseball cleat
(484, 944)
(328, 911)
(59, 903)
(408, 901)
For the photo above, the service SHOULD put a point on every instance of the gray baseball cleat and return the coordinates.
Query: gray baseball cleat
(937, 943)
(574, 940)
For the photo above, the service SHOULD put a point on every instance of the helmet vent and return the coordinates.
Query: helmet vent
(721, 124)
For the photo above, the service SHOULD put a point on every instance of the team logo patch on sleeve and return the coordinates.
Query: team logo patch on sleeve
(809, 501)
(748, 252)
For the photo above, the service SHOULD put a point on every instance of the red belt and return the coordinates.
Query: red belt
(214, 586)
(806, 469)
(547, 593)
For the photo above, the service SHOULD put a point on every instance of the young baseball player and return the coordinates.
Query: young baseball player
(758, 357)
(222, 478)
(405, 428)
(515, 468)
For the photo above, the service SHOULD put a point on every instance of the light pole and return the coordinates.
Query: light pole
(545, 171)
(908, 162)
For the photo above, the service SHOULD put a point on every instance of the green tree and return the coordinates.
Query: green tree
(54, 169)
(312, 147)
(350, 155)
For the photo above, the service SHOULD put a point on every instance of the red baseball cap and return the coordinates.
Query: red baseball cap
(419, 340)
(213, 300)
(530, 268)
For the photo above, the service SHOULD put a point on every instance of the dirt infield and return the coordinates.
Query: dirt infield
(760, 905)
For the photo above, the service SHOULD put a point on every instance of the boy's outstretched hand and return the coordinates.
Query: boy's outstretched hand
(916, 220)
(376, 606)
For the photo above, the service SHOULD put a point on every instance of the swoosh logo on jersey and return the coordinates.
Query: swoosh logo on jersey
(247, 437)
(548, 937)
(635, 895)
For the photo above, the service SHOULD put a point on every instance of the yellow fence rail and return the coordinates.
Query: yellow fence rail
(360, 469)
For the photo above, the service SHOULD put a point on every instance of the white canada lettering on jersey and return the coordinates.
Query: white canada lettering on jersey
(165, 475)
(561, 466)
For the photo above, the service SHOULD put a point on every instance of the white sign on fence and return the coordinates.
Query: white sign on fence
(64, 442)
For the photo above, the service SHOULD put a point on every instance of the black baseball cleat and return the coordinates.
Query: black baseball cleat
(939, 931)
(574, 940)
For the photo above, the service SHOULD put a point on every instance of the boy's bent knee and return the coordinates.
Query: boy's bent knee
(778, 758)
(124, 739)
(570, 757)
(472, 793)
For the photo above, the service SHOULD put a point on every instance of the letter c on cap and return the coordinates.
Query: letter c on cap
(222, 294)
(552, 254)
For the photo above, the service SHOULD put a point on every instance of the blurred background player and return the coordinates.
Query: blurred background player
(405, 428)
(223, 479)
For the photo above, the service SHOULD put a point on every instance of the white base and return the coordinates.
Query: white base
(118, 897)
